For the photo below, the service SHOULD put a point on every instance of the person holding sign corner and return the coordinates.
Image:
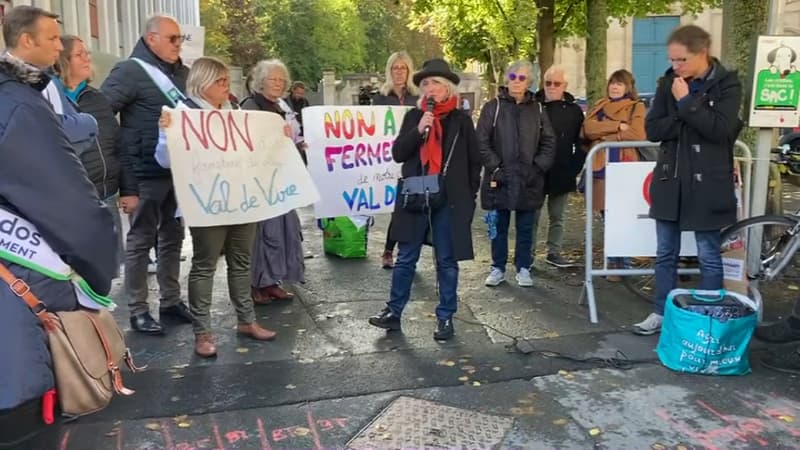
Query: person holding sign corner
(438, 149)
(278, 247)
(208, 87)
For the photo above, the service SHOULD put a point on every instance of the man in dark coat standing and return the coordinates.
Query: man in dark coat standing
(695, 116)
(137, 89)
(566, 117)
(46, 202)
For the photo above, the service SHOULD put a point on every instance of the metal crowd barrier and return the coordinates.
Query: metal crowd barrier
(590, 271)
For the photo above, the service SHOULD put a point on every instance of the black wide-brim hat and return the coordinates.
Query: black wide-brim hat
(436, 67)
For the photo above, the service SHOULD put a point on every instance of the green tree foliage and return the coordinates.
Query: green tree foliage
(234, 30)
(494, 32)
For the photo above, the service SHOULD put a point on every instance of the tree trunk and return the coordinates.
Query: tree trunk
(596, 43)
(545, 29)
(742, 22)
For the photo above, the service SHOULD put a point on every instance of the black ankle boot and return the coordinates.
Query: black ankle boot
(386, 320)
(444, 330)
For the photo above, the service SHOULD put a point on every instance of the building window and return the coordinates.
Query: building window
(93, 24)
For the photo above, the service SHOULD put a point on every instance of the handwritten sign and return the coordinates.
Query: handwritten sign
(350, 157)
(231, 167)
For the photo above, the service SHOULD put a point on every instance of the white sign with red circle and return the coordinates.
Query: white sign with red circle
(629, 231)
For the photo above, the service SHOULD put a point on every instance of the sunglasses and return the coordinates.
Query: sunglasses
(173, 39)
(513, 77)
(549, 83)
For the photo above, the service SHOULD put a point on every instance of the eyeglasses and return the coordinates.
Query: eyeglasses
(174, 38)
(513, 76)
(683, 60)
(277, 80)
(399, 69)
(82, 54)
(549, 83)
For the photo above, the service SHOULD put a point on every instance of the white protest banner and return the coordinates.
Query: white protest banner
(350, 157)
(629, 231)
(231, 167)
(194, 39)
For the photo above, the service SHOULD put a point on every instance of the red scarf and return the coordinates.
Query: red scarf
(431, 150)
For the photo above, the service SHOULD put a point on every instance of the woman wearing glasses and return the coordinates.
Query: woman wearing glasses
(517, 147)
(278, 246)
(397, 90)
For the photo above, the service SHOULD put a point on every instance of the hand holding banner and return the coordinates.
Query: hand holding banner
(231, 167)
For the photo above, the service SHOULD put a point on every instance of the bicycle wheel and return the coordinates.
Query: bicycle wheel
(776, 233)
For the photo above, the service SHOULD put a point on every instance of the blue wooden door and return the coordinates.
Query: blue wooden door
(650, 49)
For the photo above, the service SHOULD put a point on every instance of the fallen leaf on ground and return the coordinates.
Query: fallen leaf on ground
(113, 432)
(787, 419)
(290, 386)
(175, 398)
(180, 366)
(178, 376)
(476, 383)
(594, 431)
(181, 418)
(153, 426)
(792, 287)
(463, 360)
(560, 422)
(446, 362)
(658, 446)
(467, 368)
(496, 368)
(464, 378)
(248, 363)
(186, 424)
(301, 431)
(180, 344)
(386, 436)
(524, 401)
(381, 428)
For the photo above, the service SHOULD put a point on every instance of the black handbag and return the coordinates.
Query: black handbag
(424, 193)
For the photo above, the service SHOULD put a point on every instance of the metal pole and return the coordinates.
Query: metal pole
(762, 161)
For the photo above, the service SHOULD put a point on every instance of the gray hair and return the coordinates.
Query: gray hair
(263, 70)
(405, 58)
(555, 69)
(154, 22)
(205, 71)
(521, 64)
(452, 89)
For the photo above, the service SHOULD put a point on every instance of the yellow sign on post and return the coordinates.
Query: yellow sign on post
(775, 101)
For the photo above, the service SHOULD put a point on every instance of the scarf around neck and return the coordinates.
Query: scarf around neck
(431, 150)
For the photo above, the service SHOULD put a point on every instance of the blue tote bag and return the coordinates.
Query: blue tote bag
(707, 332)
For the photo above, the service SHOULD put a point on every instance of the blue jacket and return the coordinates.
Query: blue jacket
(42, 180)
(80, 128)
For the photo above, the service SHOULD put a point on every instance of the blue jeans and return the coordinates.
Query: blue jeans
(446, 268)
(668, 235)
(522, 252)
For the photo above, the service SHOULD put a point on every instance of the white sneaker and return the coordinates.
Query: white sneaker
(524, 278)
(496, 277)
(650, 325)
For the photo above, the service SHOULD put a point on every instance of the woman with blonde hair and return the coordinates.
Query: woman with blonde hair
(398, 89)
(208, 87)
(436, 139)
(278, 247)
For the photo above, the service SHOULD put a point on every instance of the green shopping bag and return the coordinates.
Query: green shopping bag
(345, 237)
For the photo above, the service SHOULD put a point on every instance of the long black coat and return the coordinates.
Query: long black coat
(519, 142)
(461, 181)
(566, 118)
(693, 179)
(138, 100)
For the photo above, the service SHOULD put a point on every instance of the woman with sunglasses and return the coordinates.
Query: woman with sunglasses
(397, 90)
(619, 116)
(517, 146)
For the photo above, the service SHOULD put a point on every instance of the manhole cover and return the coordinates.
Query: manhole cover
(414, 423)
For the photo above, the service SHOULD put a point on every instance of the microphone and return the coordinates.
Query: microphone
(431, 104)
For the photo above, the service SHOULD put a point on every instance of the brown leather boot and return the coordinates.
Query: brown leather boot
(276, 292)
(259, 296)
(387, 259)
(256, 331)
(204, 345)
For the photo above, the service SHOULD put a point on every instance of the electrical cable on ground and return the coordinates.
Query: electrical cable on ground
(619, 361)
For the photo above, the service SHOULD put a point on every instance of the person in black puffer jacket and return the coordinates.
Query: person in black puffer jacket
(566, 118)
(106, 162)
(153, 77)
